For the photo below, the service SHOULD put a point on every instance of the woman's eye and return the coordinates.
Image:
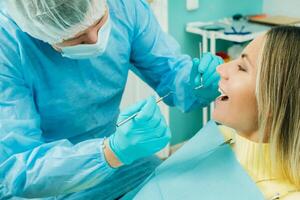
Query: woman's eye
(241, 68)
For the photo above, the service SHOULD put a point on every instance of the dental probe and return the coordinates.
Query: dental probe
(158, 100)
(135, 114)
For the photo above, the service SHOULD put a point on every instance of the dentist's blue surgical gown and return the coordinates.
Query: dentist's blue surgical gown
(55, 111)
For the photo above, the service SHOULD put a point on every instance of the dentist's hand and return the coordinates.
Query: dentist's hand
(143, 135)
(207, 67)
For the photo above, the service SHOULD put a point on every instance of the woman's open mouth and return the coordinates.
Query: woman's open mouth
(223, 96)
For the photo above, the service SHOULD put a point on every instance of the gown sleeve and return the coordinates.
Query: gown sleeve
(29, 166)
(157, 60)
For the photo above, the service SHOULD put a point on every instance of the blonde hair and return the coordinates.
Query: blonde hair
(278, 95)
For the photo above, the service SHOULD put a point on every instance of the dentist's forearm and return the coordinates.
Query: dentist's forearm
(109, 155)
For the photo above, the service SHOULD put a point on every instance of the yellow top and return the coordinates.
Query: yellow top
(252, 156)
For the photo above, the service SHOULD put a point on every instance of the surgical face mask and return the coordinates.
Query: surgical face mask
(85, 51)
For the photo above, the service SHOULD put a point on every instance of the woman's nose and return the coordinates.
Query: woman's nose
(222, 70)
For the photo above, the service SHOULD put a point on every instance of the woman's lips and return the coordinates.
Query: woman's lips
(223, 96)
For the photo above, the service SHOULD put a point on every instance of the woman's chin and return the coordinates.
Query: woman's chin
(222, 117)
(219, 115)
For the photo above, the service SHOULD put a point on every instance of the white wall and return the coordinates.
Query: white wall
(160, 9)
(289, 8)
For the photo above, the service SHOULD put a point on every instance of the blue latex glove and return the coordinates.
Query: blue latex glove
(142, 136)
(207, 67)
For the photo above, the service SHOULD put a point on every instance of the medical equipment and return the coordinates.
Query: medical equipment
(234, 31)
(142, 137)
(201, 73)
(159, 100)
(135, 114)
(201, 81)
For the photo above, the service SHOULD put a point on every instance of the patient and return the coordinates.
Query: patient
(260, 102)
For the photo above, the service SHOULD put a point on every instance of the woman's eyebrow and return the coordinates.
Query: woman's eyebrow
(245, 57)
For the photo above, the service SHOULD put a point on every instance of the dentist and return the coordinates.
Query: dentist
(63, 70)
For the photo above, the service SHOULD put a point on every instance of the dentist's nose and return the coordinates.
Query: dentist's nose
(91, 37)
